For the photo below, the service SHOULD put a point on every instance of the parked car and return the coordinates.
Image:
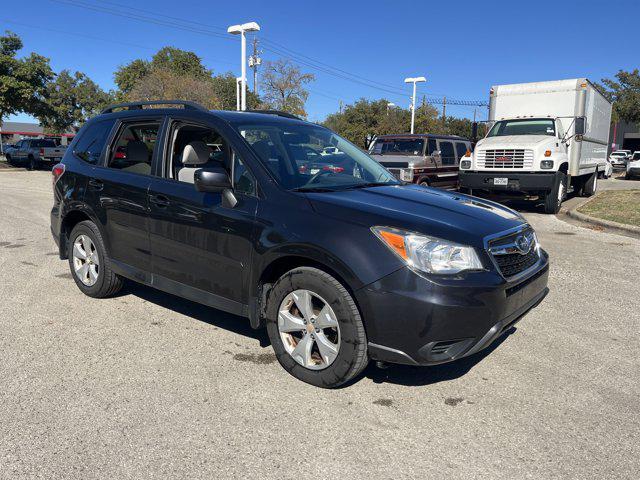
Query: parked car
(546, 141)
(633, 166)
(340, 268)
(425, 159)
(35, 153)
(618, 158)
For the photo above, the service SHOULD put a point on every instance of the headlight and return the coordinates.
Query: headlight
(546, 164)
(428, 254)
(465, 164)
(406, 174)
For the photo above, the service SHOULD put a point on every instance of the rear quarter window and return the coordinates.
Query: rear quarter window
(92, 140)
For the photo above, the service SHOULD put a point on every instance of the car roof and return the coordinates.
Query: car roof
(230, 116)
(421, 135)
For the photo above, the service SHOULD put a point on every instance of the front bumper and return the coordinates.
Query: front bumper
(516, 181)
(416, 321)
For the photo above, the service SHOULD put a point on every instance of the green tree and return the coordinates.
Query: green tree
(128, 75)
(22, 80)
(224, 87)
(71, 100)
(624, 92)
(283, 85)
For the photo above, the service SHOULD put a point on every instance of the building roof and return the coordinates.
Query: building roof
(21, 127)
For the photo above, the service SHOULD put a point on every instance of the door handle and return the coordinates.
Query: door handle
(159, 200)
(96, 184)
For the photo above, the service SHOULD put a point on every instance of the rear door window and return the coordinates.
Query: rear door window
(133, 150)
(90, 145)
(432, 146)
(447, 153)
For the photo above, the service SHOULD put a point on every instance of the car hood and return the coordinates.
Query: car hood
(448, 215)
(513, 141)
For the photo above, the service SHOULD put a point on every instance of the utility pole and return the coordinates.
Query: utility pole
(444, 110)
(340, 106)
(254, 62)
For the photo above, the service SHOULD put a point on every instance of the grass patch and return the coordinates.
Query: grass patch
(622, 206)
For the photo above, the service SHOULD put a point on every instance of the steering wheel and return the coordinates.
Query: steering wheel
(318, 175)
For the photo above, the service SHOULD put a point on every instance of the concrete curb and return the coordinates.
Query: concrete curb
(621, 227)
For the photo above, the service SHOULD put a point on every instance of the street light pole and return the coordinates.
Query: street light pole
(241, 30)
(414, 80)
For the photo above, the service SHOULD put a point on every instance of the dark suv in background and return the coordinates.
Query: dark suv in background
(235, 210)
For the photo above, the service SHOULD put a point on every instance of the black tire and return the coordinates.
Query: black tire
(590, 185)
(424, 182)
(352, 356)
(108, 282)
(552, 202)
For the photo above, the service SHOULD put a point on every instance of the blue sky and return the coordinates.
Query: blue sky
(461, 47)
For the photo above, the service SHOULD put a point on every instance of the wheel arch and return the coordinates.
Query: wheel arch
(70, 219)
(280, 265)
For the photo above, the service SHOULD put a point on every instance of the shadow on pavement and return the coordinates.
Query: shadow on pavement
(422, 376)
(394, 374)
(197, 311)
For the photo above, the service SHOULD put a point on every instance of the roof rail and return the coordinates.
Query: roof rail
(280, 113)
(138, 105)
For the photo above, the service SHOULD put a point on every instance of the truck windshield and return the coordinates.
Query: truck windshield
(397, 146)
(528, 126)
(311, 158)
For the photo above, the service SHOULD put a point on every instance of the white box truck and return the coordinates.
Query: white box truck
(545, 139)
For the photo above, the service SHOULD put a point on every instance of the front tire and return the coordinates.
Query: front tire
(89, 263)
(315, 328)
(553, 199)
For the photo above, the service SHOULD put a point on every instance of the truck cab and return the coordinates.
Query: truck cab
(425, 159)
(546, 139)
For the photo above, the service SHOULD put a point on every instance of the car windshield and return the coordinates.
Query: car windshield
(397, 146)
(306, 157)
(618, 154)
(529, 126)
(636, 156)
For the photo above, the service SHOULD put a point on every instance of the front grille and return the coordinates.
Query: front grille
(504, 158)
(510, 257)
(515, 263)
(395, 164)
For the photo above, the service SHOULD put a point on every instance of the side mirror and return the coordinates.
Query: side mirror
(580, 126)
(214, 180)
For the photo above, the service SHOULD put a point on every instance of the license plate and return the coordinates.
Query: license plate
(314, 171)
(501, 181)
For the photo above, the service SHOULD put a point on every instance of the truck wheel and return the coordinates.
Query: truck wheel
(553, 199)
(90, 265)
(591, 185)
(315, 328)
(424, 182)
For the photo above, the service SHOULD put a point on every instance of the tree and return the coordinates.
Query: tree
(22, 81)
(625, 95)
(70, 100)
(283, 86)
(173, 73)
(367, 118)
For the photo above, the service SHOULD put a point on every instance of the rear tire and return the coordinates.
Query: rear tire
(553, 199)
(351, 357)
(107, 283)
(591, 185)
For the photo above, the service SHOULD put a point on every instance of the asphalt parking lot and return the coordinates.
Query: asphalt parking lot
(149, 385)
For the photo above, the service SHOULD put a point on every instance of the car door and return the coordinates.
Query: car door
(201, 245)
(21, 152)
(447, 176)
(119, 188)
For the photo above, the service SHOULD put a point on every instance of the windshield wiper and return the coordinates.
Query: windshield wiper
(313, 189)
(368, 184)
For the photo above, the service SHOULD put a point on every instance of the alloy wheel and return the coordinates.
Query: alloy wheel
(309, 329)
(86, 262)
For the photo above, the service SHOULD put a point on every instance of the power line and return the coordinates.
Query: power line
(188, 25)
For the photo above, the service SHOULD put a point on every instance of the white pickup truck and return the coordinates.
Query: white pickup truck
(546, 139)
(35, 153)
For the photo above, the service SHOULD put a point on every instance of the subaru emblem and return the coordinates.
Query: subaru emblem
(523, 244)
